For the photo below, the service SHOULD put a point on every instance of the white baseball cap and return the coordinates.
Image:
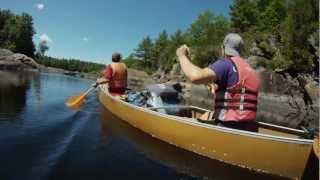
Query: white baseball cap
(232, 44)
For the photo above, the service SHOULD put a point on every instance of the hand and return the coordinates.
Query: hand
(213, 88)
(183, 51)
(96, 84)
(100, 81)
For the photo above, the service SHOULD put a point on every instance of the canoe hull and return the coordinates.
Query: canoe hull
(279, 156)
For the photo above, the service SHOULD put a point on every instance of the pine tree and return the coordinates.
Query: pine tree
(144, 52)
(43, 48)
(205, 37)
(16, 32)
(25, 43)
(160, 45)
(244, 14)
(273, 15)
(301, 23)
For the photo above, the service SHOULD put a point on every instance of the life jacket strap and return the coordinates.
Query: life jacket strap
(242, 108)
(253, 101)
(241, 91)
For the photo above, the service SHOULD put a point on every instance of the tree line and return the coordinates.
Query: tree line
(70, 64)
(286, 32)
(16, 33)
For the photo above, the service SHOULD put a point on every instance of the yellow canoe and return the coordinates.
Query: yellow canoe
(274, 149)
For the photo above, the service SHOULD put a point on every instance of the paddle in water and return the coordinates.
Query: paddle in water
(76, 101)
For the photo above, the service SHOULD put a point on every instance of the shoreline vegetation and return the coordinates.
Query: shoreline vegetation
(17, 49)
(281, 41)
(72, 67)
(279, 35)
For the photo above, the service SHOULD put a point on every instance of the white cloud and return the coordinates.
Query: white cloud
(45, 37)
(40, 6)
(85, 39)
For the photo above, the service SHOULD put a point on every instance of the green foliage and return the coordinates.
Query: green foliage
(43, 48)
(279, 62)
(131, 62)
(244, 14)
(168, 56)
(24, 43)
(144, 53)
(281, 30)
(271, 18)
(204, 36)
(301, 22)
(160, 45)
(16, 32)
(70, 64)
(199, 29)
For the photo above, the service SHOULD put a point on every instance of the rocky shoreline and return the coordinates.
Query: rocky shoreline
(17, 62)
(283, 99)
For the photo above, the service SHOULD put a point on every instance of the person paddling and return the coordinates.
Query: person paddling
(115, 74)
(235, 84)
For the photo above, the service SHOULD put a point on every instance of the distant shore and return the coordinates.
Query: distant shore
(285, 100)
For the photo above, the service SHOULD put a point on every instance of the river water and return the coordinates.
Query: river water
(40, 138)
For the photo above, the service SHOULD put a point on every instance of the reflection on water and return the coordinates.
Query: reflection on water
(181, 160)
(13, 92)
(36, 129)
(40, 138)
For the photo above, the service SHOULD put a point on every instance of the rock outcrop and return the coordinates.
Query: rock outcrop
(284, 99)
(290, 101)
(14, 61)
(138, 79)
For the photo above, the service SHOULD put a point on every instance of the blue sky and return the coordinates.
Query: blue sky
(92, 29)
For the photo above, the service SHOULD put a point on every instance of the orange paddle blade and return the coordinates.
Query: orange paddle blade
(75, 101)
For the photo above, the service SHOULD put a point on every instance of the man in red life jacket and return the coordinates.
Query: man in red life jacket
(115, 74)
(235, 84)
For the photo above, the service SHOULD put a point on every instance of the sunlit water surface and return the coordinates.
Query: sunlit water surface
(40, 138)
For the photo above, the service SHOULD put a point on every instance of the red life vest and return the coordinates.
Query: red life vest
(118, 81)
(239, 102)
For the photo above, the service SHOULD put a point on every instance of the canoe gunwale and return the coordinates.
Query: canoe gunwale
(193, 122)
(272, 126)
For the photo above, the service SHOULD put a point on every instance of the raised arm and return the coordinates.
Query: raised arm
(194, 73)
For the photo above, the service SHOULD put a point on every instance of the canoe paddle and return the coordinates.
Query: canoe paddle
(76, 101)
